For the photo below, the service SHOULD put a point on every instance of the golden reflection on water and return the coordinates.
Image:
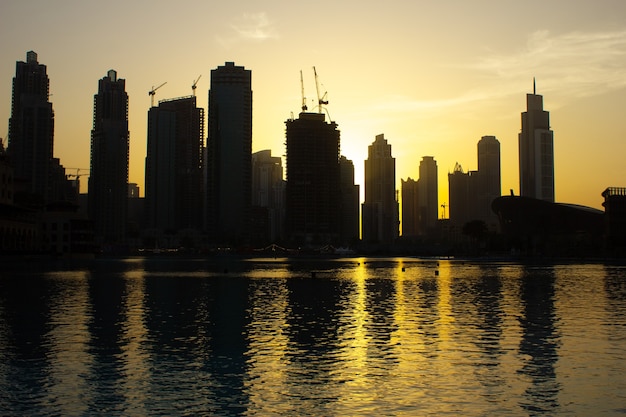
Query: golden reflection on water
(354, 339)
(445, 318)
(67, 341)
(346, 337)
(134, 336)
(267, 341)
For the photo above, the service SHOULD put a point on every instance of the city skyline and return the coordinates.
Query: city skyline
(431, 97)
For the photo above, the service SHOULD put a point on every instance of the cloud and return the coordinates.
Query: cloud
(575, 64)
(582, 63)
(251, 27)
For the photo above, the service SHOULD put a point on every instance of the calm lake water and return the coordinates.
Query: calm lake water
(346, 337)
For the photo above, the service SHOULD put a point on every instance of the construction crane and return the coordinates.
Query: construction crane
(78, 174)
(195, 83)
(304, 107)
(320, 100)
(152, 92)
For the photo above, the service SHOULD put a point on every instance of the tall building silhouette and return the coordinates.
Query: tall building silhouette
(380, 209)
(313, 180)
(489, 178)
(462, 199)
(268, 197)
(229, 151)
(31, 130)
(350, 195)
(471, 193)
(410, 208)
(108, 179)
(174, 166)
(427, 195)
(536, 151)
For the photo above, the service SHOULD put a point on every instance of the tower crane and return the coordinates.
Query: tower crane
(195, 83)
(304, 107)
(78, 174)
(152, 92)
(320, 100)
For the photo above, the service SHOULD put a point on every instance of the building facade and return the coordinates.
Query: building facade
(31, 130)
(174, 167)
(489, 179)
(471, 193)
(108, 179)
(461, 196)
(313, 180)
(427, 195)
(536, 151)
(229, 151)
(410, 212)
(380, 209)
(350, 195)
(268, 198)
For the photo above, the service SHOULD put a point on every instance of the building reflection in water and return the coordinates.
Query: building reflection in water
(267, 333)
(67, 342)
(349, 337)
(539, 340)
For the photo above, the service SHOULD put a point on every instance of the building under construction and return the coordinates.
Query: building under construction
(313, 207)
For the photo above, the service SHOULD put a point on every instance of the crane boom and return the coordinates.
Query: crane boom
(304, 107)
(152, 92)
(320, 100)
(195, 83)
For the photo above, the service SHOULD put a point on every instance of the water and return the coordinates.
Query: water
(351, 337)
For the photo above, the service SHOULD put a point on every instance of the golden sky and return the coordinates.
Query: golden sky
(434, 77)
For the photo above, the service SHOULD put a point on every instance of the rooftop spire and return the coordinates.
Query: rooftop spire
(534, 86)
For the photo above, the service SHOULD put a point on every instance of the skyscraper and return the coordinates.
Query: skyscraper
(174, 167)
(268, 192)
(489, 178)
(349, 230)
(313, 180)
(31, 129)
(410, 212)
(380, 209)
(461, 196)
(229, 150)
(427, 195)
(536, 151)
(471, 193)
(108, 179)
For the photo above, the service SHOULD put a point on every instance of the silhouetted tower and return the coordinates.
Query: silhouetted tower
(350, 194)
(108, 179)
(489, 178)
(229, 150)
(31, 129)
(461, 195)
(536, 151)
(174, 166)
(268, 193)
(380, 209)
(410, 208)
(313, 180)
(427, 195)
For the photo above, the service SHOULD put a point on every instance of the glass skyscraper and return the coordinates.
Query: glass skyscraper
(108, 179)
(31, 130)
(536, 151)
(229, 152)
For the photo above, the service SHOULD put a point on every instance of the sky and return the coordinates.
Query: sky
(433, 77)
